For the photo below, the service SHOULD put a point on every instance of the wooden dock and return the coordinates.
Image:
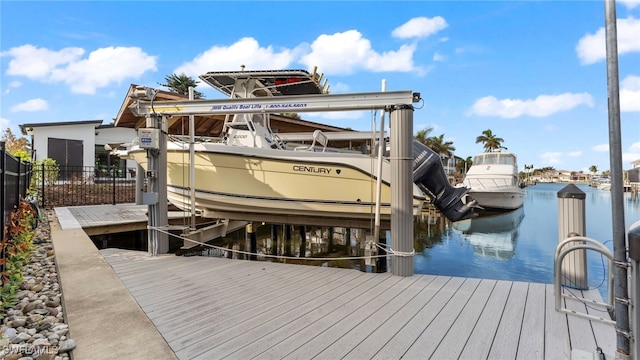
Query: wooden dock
(106, 219)
(214, 308)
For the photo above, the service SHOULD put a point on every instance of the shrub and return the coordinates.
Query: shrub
(17, 247)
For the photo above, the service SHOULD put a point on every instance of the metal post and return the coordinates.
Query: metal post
(253, 241)
(113, 183)
(18, 183)
(42, 182)
(287, 240)
(139, 184)
(192, 163)
(3, 199)
(401, 190)
(303, 241)
(381, 262)
(157, 160)
(274, 240)
(617, 190)
(634, 279)
(381, 150)
(571, 222)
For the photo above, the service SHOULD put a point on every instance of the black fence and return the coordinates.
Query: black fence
(82, 185)
(15, 176)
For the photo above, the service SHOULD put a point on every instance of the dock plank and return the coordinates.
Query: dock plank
(505, 344)
(279, 324)
(582, 337)
(557, 344)
(319, 318)
(341, 347)
(213, 308)
(436, 330)
(531, 343)
(477, 346)
(380, 336)
(411, 331)
(451, 346)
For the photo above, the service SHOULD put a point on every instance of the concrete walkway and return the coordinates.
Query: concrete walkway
(103, 317)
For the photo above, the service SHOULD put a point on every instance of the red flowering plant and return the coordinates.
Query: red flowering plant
(17, 247)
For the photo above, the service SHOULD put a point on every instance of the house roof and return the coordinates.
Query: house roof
(209, 125)
(24, 127)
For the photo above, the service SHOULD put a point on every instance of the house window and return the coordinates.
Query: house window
(107, 165)
(68, 155)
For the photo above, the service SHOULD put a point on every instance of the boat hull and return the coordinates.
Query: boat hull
(238, 180)
(499, 199)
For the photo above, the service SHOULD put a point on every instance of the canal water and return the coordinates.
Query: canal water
(519, 245)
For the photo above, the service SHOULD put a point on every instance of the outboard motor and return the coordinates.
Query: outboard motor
(430, 177)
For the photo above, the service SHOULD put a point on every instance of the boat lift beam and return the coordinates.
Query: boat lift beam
(398, 103)
(144, 106)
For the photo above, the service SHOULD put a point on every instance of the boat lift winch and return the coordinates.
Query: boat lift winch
(398, 103)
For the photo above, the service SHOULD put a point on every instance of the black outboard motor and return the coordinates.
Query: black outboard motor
(430, 177)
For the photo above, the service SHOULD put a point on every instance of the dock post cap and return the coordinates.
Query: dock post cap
(571, 192)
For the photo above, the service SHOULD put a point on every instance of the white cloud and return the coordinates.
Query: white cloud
(630, 93)
(438, 57)
(543, 105)
(601, 148)
(13, 85)
(591, 48)
(630, 3)
(245, 51)
(338, 54)
(551, 158)
(575, 153)
(420, 27)
(4, 123)
(344, 53)
(632, 154)
(30, 106)
(99, 69)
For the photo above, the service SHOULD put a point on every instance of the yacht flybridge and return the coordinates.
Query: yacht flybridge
(250, 173)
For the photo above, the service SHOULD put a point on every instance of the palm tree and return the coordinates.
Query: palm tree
(444, 148)
(490, 141)
(423, 136)
(593, 169)
(180, 84)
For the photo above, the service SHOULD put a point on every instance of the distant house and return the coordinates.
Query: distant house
(633, 174)
(80, 144)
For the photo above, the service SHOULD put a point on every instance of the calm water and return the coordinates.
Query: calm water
(517, 246)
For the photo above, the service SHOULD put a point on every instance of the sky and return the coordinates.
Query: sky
(533, 72)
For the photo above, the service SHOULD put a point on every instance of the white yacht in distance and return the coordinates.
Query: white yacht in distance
(493, 180)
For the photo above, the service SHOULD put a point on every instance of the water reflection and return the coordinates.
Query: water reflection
(493, 235)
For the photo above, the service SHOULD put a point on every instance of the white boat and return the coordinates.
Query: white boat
(604, 184)
(251, 174)
(493, 235)
(493, 180)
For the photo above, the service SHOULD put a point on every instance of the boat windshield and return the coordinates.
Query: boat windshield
(494, 159)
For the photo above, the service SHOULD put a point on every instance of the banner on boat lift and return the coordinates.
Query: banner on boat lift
(298, 103)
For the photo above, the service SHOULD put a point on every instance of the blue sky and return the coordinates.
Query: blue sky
(532, 72)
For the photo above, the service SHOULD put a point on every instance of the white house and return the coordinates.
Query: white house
(79, 143)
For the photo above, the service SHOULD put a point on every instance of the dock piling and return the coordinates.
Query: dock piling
(571, 222)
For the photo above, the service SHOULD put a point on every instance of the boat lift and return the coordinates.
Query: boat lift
(398, 103)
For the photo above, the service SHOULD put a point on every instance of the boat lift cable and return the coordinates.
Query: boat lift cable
(389, 250)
